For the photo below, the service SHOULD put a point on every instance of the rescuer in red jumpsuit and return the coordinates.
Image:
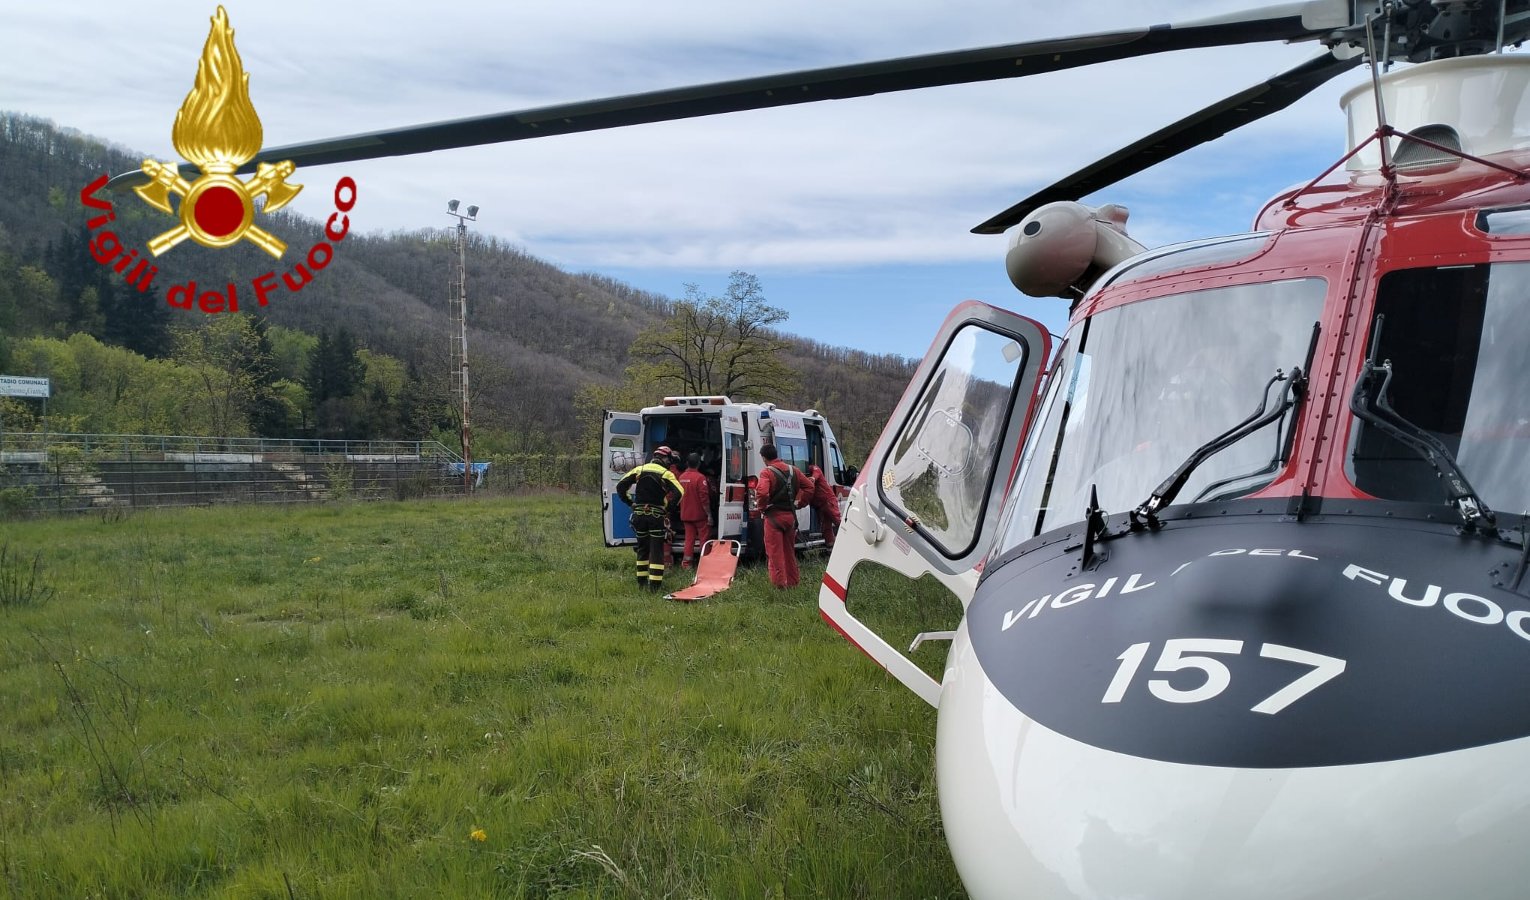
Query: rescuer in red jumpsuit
(778, 492)
(826, 502)
(693, 509)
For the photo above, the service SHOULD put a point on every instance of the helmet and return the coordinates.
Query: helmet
(663, 454)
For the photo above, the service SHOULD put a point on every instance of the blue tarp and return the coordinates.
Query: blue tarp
(479, 470)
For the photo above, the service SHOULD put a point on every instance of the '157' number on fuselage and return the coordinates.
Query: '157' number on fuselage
(1191, 653)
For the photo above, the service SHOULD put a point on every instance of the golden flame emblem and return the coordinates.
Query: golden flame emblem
(218, 130)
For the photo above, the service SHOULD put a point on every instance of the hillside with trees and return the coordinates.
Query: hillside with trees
(361, 351)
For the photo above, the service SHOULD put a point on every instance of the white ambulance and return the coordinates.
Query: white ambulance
(727, 436)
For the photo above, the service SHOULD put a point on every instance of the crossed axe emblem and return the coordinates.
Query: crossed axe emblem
(218, 210)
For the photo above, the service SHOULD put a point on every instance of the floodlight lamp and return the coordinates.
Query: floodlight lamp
(451, 206)
(472, 212)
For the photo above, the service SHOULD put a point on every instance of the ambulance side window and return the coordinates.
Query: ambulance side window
(734, 460)
(837, 463)
(794, 451)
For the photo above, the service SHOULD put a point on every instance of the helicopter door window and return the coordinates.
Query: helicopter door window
(1143, 385)
(938, 472)
(1454, 336)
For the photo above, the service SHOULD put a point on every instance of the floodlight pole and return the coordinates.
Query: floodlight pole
(461, 299)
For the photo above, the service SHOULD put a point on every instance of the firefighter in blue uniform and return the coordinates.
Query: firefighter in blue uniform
(654, 493)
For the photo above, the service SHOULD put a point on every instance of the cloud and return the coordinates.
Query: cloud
(896, 178)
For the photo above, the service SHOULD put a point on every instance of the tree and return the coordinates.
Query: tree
(424, 406)
(593, 398)
(101, 388)
(270, 414)
(335, 369)
(717, 345)
(139, 321)
(291, 350)
(229, 360)
(36, 301)
(81, 281)
(335, 376)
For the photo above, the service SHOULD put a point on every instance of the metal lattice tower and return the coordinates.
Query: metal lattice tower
(457, 304)
(455, 307)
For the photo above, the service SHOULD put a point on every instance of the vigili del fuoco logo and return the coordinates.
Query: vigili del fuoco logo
(217, 130)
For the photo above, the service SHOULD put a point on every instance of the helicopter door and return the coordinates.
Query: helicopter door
(622, 443)
(928, 499)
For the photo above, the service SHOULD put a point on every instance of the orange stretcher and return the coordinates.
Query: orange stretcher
(714, 571)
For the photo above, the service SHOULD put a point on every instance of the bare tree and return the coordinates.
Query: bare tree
(717, 345)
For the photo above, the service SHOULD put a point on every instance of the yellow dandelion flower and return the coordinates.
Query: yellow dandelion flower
(479, 835)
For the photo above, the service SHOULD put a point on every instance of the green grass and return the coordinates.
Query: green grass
(327, 701)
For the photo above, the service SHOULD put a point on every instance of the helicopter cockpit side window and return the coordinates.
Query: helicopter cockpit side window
(1454, 337)
(1140, 387)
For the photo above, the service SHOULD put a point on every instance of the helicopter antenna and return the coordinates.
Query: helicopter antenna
(1381, 111)
(1386, 37)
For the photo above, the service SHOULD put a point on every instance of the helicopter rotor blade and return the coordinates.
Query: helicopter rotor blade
(1206, 124)
(1287, 22)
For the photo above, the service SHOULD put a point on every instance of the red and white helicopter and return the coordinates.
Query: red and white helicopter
(1244, 612)
(1243, 558)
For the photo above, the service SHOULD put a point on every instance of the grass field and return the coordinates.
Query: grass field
(438, 699)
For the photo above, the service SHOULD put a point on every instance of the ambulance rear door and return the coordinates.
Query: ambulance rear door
(732, 494)
(622, 447)
(820, 439)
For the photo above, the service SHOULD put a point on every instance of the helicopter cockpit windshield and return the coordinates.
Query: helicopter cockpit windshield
(1455, 338)
(1139, 387)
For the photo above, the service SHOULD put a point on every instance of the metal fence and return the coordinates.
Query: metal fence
(569, 472)
(50, 471)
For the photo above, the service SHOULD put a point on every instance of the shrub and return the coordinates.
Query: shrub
(21, 584)
(16, 502)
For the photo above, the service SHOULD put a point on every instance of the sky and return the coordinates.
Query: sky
(854, 214)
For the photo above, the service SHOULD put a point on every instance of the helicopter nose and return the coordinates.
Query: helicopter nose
(1241, 707)
(1031, 812)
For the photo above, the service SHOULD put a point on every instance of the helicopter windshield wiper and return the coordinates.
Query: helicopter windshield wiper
(1293, 393)
(1462, 496)
(1147, 512)
(1284, 438)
